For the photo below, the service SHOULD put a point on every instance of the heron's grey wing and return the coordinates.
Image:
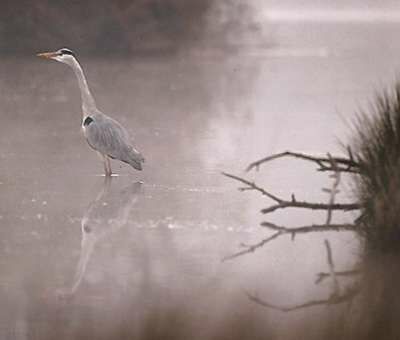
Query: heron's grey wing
(109, 138)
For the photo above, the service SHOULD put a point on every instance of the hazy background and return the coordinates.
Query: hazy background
(204, 87)
(159, 27)
(123, 27)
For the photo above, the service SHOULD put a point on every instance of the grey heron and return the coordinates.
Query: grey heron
(104, 134)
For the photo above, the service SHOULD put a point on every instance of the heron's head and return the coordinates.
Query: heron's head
(63, 55)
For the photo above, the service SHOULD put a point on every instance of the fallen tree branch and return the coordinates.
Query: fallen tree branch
(311, 206)
(293, 203)
(336, 165)
(340, 169)
(324, 163)
(252, 186)
(311, 228)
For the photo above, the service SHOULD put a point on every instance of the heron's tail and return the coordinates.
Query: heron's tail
(136, 159)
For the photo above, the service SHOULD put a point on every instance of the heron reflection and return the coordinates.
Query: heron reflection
(105, 215)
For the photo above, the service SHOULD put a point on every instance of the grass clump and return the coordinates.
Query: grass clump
(377, 150)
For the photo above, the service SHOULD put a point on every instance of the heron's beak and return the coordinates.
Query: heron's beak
(48, 55)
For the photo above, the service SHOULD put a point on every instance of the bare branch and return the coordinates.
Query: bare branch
(348, 164)
(293, 203)
(334, 190)
(340, 169)
(311, 206)
(350, 153)
(348, 295)
(253, 186)
(336, 165)
(311, 228)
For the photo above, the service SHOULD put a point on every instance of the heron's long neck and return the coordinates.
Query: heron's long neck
(88, 103)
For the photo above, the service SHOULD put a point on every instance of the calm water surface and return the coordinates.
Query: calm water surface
(83, 258)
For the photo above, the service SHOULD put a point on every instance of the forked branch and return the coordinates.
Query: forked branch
(253, 186)
(311, 228)
(293, 203)
(311, 206)
(324, 163)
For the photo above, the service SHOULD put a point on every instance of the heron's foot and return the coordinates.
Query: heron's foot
(64, 294)
(107, 176)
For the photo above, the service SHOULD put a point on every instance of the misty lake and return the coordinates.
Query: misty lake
(142, 255)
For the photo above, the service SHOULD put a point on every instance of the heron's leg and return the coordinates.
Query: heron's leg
(107, 166)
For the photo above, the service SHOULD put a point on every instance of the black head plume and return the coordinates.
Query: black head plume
(64, 51)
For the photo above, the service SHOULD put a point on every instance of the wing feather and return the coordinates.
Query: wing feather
(110, 138)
